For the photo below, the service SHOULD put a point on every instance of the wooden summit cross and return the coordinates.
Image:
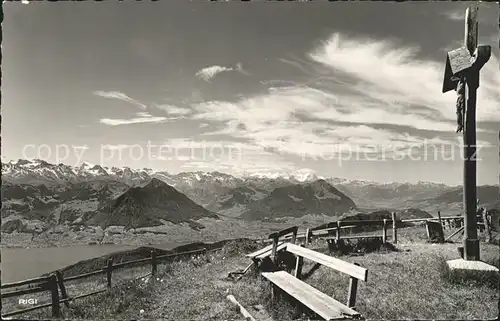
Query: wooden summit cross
(462, 74)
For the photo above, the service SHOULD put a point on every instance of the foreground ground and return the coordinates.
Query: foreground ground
(408, 283)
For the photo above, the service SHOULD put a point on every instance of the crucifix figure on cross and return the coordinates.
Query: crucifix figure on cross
(462, 74)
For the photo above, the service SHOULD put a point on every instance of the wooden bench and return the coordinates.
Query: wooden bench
(320, 303)
(266, 251)
(271, 251)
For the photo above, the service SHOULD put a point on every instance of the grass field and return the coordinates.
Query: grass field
(408, 283)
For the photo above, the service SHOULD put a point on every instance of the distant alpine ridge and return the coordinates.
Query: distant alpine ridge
(41, 172)
(38, 191)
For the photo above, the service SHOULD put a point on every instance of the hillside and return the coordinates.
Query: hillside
(371, 194)
(233, 202)
(413, 213)
(297, 200)
(196, 288)
(14, 225)
(450, 202)
(150, 205)
(487, 194)
(62, 203)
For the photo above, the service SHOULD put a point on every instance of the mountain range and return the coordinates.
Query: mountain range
(150, 205)
(37, 191)
(295, 200)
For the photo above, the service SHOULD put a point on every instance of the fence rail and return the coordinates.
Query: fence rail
(42, 279)
(432, 219)
(56, 282)
(327, 231)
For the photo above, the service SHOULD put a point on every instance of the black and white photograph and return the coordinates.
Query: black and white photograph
(250, 160)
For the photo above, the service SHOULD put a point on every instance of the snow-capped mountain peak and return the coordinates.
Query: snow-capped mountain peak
(301, 175)
(86, 165)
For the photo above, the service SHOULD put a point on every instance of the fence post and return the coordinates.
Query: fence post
(338, 231)
(298, 267)
(394, 229)
(54, 291)
(60, 281)
(109, 271)
(153, 262)
(308, 232)
(384, 232)
(294, 237)
(273, 251)
(487, 226)
(439, 218)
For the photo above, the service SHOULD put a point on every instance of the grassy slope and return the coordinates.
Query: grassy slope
(408, 284)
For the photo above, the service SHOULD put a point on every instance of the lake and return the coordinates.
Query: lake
(24, 263)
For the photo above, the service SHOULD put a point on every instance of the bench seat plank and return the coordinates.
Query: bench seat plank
(266, 251)
(322, 304)
(326, 260)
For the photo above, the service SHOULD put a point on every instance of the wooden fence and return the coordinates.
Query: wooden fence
(56, 282)
(339, 229)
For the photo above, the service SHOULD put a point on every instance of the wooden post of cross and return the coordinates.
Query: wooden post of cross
(462, 74)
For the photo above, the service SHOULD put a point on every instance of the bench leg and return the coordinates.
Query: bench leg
(275, 293)
(298, 267)
(353, 289)
(255, 268)
(331, 247)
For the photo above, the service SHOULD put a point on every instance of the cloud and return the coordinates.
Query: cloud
(277, 130)
(142, 118)
(392, 80)
(240, 69)
(358, 89)
(208, 73)
(120, 96)
(257, 164)
(297, 63)
(169, 108)
(118, 147)
(251, 161)
(174, 110)
(80, 147)
(487, 13)
(239, 157)
(455, 15)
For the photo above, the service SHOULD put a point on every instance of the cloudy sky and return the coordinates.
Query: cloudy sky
(343, 89)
